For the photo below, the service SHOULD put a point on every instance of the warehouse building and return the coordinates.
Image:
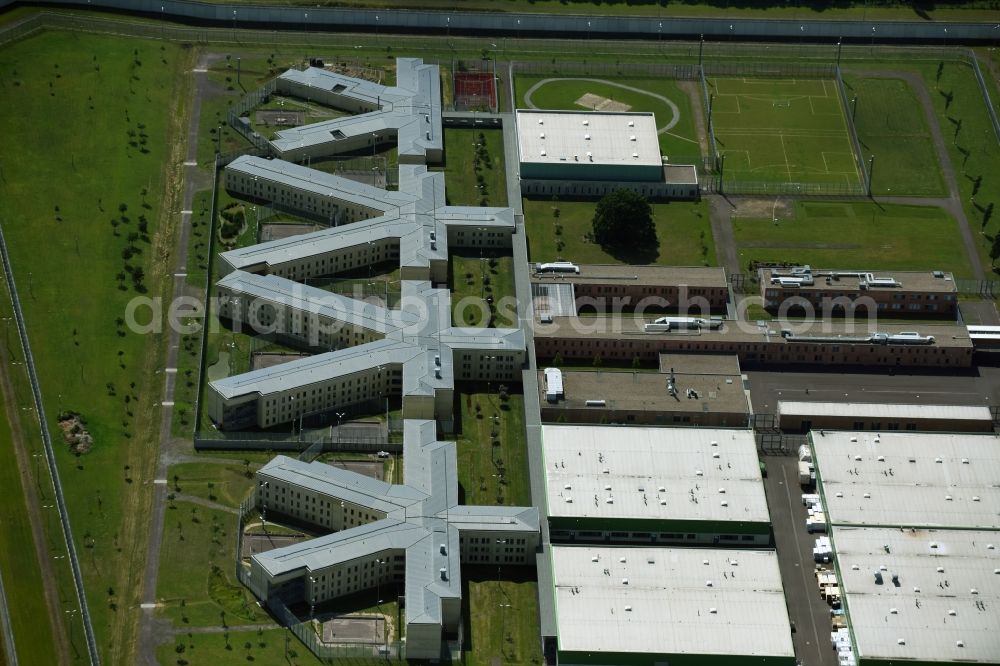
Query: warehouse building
(798, 416)
(925, 480)
(697, 290)
(616, 484)
(821, 343)
(859, 292)
(415, 534)
(690, 390)
(408, 113)
(591, 153)
(920, 595)
(651, 606)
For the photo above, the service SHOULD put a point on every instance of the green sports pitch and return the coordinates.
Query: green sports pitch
(782, 131)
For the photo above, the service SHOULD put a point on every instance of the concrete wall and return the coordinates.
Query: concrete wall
(659, 190)
(835, 422)
(586, 171)
(644, 417)
(531, 24)
(760, 352)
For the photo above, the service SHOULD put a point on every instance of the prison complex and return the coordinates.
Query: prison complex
(416, 532)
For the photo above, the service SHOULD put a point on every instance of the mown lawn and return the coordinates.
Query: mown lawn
(856, 235)
(682, 229)
(483, 457)
(196, 584)
(92, 123)
(500, 610)
(462, 185)
(474, 279)
(22, 579)
(224, 484)
(891, 126)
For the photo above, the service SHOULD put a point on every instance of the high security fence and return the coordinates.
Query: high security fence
(538, 24)
(50, 458)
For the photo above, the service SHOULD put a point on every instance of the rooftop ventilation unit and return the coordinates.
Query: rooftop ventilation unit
(631, 137)
(628, 609)
(959, 643)
(631, 123)
(586, 122)
(541, 135)
(444, 549)
(444, 573)
(586, 137)
(713, 611)
(624, 581)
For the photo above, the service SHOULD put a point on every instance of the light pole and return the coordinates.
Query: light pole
(376, 28)
(503, 618)
(234, 25)
(312, 597)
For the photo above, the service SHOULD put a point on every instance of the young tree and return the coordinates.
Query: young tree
(624, 219)
(995, 249)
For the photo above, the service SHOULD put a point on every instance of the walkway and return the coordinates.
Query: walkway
(151, 631)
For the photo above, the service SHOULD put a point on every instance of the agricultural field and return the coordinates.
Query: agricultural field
(782, 131)
(82, 251)
(666, 99)
(682, 229)
(856, 235)
(891, 126)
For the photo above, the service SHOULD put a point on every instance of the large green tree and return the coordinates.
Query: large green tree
(624, 220)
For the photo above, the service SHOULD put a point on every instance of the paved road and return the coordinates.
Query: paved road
(152, 632)
(720, 210)
(808, 612)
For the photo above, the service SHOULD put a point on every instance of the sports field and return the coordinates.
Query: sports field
(782, 130)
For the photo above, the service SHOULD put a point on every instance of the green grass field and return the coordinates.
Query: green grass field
(111, 106)
(891, 126)
(469, 275)
(462, 186)
(679, 142)
(267, 646)
(196, 585)
(498, 610)
(22, 580)
(856, 235)
(682, 228)
(479, 459)
(972, 146)
(782, 130)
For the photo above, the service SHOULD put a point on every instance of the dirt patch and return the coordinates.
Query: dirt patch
(75, 432)
(276, 231)
(781, 209)
(270, 359)
(280, 118)
(365, 629)
(598, 103)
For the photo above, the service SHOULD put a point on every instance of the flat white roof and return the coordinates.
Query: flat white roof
(653, 473)
(909, 479)
(945, 594)
(588, 138)
(886, 410)
(673, 608)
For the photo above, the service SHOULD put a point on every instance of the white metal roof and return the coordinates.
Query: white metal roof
(945, 594)
(653, 473)
(588, 138)
(671, 601)
(866, 410)
(909, 479)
